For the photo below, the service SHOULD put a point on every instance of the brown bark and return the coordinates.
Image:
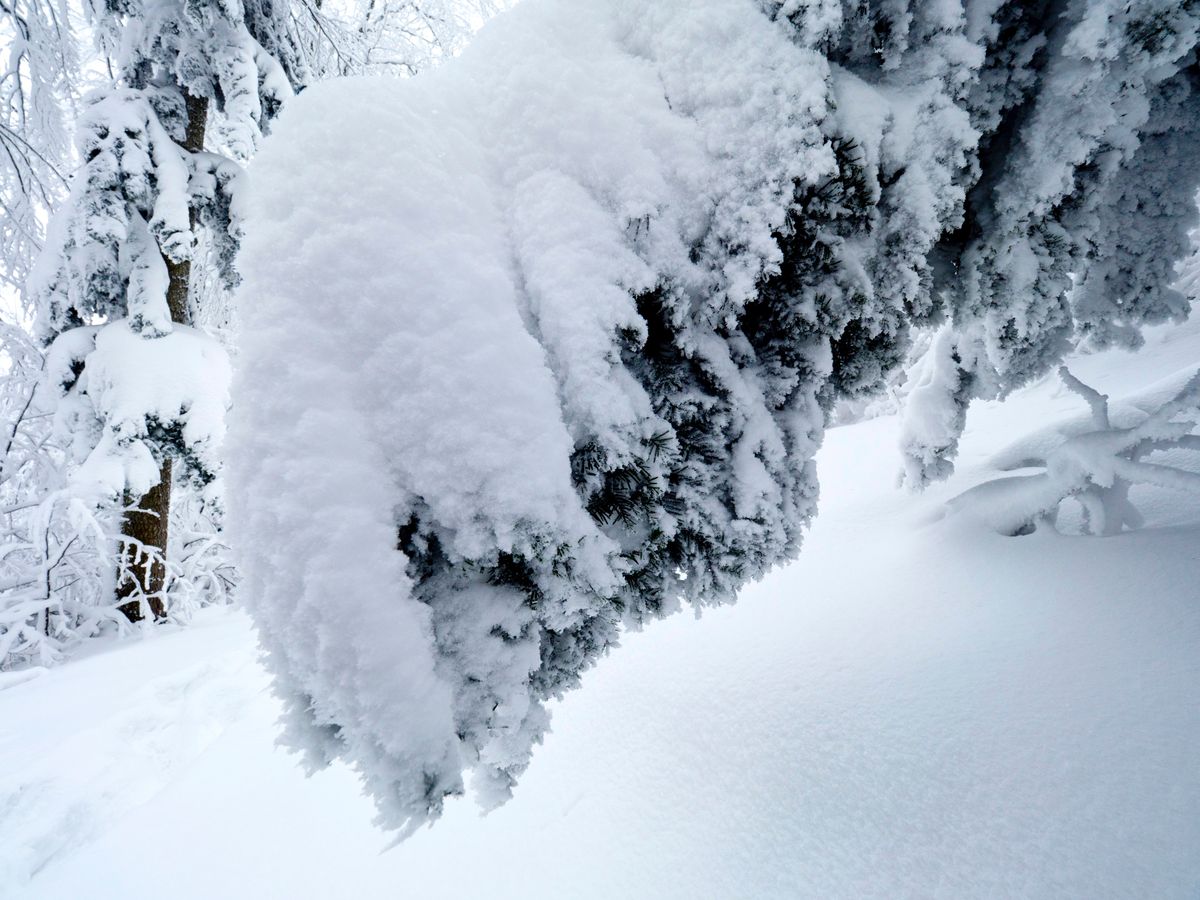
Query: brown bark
(148, 524)
(180, 272)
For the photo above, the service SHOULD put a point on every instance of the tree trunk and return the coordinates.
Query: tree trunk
(148, 525)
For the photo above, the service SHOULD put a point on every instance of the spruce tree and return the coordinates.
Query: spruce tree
(122, 250)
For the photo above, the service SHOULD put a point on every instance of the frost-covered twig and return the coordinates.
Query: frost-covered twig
(1096, 400)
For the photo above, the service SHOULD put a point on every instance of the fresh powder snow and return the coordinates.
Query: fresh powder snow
(525, 356)
(918, 707)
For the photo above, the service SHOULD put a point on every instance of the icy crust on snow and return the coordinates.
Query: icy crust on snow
(440, 281)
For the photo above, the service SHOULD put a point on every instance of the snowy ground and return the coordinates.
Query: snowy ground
(916, 708)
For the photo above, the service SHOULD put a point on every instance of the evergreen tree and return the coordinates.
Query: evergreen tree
(588, 297)
(121, 250)
(1082, 201)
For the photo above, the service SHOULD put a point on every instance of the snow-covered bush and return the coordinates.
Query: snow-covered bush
(60, 559)
(543, 344)
(55, 557)
(1095, 468)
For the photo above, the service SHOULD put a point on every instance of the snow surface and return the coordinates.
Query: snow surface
(918, 707)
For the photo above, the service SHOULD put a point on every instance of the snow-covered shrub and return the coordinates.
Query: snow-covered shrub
(61, 557)
(51, 574)
(543, 345)
(1095, 468)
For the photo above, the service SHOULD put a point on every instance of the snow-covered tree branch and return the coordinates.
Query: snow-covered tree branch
(576, 309)
(39, 87)
(1096, 468)
(1083, 192)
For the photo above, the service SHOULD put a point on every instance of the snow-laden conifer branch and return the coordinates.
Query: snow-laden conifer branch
(577, 309)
